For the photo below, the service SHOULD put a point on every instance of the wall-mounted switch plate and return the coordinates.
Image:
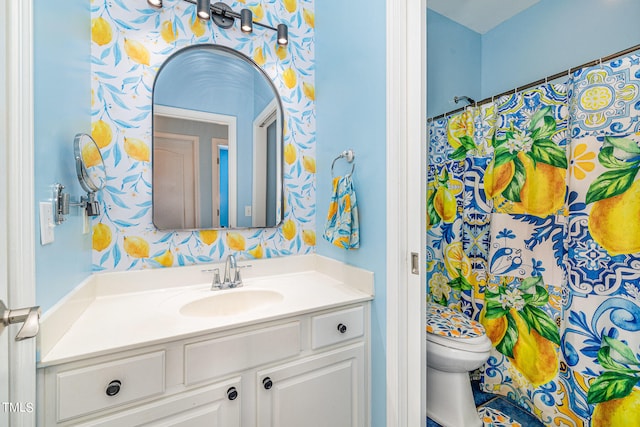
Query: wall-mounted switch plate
(247, 211)
(86, 226)
(46, 223)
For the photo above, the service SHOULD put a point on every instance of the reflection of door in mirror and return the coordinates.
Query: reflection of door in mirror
(204, 174)
(266, 163)
(223, 184)
(176, 180)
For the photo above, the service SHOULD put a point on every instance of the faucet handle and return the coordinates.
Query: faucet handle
(216, 284)
(237, 280)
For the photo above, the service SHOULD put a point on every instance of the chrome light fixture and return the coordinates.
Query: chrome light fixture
(246, 21)
(203, 8)
(224, 17)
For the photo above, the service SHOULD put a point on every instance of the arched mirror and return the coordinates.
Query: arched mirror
(217, 142)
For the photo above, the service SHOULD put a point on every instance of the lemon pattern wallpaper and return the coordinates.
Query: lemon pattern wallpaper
(130, 41)
(533, 229)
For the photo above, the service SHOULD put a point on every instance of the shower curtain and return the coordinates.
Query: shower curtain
(533, 229)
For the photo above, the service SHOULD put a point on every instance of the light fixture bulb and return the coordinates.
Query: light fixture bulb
(155, 3)
(283, 34)
(246, 20)
(203, 7)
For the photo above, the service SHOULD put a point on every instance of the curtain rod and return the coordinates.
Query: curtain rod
(546, 79)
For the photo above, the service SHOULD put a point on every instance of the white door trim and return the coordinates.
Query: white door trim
(406, 131)
(18, 135)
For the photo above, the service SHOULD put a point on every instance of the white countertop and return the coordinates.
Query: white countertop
(119, 311)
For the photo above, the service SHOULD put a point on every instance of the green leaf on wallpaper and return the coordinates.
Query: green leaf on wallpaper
(624, 144)
(512, 192)
(494, 309)
(610, 385)
(610, 364)
(546, 151)
(609, 161)
(611, 183)
(541, 322)
(510, 337)
(627, 355)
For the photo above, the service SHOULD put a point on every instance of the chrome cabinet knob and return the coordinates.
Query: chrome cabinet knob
(113, 387)
(342, 328)
(267, 383)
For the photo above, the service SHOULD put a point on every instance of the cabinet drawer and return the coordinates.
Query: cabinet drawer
(214, 358)
(90, 389)
(338, 326)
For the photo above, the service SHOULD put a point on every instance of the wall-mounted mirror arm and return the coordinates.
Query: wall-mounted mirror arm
(62, 202)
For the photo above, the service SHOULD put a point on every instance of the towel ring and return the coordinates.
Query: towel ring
(349, 156)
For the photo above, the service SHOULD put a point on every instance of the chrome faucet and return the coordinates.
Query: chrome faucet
(231, 277)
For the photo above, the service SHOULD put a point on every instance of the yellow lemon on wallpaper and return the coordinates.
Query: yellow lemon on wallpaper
(289, 78)
(166, 259)
(258, 12)
(496, 179)
(613, 222)
(101, 33)
(208, 236)
(101, 237)
(309, 91)
(309, 164)
(197, 26)
(444, 202)
(281, 51)
(309, 17)
(621, 412)
(534, 356)
(256, 252)
(258, 56)
(455, 259)
(289, 154)
(309, 237)
(136, 247)
(101, 133)
(137, 149)
(289, 229)
(235, 241)
(544, 188)
(168, 32)
(136, 51)
(495, 329)
(91, 155)
(290, 5)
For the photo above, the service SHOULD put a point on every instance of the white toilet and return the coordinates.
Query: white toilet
(455, 346)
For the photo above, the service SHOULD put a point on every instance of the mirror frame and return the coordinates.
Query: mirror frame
(280, 131)
(85, 180)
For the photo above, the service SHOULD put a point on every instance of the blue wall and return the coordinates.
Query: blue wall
(453, 65)
(351, 104)
(553, 36)
(62, 99)
(545, 39)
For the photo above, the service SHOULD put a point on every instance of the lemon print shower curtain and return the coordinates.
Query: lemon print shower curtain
(533, 228)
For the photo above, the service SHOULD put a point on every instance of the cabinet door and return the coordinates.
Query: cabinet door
(324, 390)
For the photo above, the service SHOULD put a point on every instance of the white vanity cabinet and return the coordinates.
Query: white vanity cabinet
(306, 370)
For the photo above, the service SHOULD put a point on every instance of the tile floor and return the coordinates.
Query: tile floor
(498, 411)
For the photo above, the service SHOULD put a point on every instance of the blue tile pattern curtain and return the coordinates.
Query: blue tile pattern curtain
(533, 228)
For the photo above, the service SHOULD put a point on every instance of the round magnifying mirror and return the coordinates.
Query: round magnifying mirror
(89, 163)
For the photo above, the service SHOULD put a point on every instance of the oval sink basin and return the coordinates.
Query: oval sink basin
(230, 303)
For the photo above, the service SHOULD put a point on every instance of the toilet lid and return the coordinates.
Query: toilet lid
(453, 329)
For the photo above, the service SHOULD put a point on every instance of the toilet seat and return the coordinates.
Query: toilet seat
(452, 329)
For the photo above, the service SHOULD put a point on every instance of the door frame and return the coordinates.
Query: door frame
(19, 211)
(406, 186)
